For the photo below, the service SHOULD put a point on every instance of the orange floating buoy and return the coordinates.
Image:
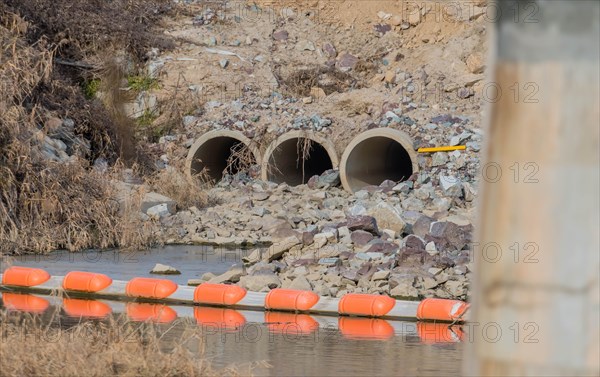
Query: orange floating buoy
(219, 318)
(365, 328)
(431, 333)
(24, 276)
(25, 302)
(156, 313)
(437, 309)
(86, 281)
(365, 304)
(290, 299)
(290, 323)
(150, 288)
(85, 308)
(218, 294)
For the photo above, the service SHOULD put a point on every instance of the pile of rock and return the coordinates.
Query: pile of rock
(408, 240)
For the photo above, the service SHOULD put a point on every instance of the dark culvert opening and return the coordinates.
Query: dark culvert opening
(295, 160)
(221, 155)
(375, 160)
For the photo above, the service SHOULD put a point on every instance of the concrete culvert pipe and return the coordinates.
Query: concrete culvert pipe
(221, 152)
(375, 156)
(296, 156)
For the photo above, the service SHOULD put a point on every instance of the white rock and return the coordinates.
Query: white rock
(384, 16)
(319, 240)
(361, 194)
(252, 258)
(451, 185)
(404, 290)
(232, 275)
(163, 269)
(279, 248)
(375, 255)
(152, 199)
(441, 204)
(159, 211)
(388, 217)
(195, 282)
(390, 233)
(300, 283)
(430, 248)
(439, 159)
(357, 210)
(259, 282)
(343, 232)
(381, 275)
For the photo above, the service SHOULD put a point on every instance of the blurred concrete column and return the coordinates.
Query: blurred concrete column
(536, 289)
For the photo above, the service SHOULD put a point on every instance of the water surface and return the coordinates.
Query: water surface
(192, 261)
(293, 345)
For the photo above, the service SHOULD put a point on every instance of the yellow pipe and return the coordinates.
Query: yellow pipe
(442, 149)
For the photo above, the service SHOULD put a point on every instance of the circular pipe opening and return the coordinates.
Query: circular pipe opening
(221, 152)
(296, 156)
(375, 156)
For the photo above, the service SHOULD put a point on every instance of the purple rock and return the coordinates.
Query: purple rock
(350, 275)
(329, 50)
(303, 262)
(446, 118)
(366, 223)
(450, 236)
(411, 257)
(414, 242)
(383, 247)
(465, 93)
(389, 106)
(387, 185)
(381, 29)
(346, 61)
(308, 237)
(361, 237)
(421, 226)
(280, 35)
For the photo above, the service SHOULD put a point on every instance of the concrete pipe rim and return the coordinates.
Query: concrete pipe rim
(296, 134)
(398, 136)
(214, 134)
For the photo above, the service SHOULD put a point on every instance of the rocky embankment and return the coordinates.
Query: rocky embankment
(408, 240)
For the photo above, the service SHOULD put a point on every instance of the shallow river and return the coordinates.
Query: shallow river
(291, 344)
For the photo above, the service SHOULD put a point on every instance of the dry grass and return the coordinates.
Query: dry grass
(130, 232)
(81, 29)
(60, 206)
(186, 190)
(180, 102)
(30, 346)
(241, 159)
(46, 205)
(303, 148)
(300, 82)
